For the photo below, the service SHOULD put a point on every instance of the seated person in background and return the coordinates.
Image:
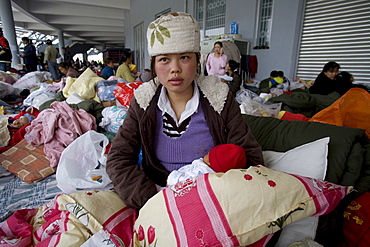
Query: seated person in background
(67, 70)
(123, 70)
(234, 85)
(221, 158)
(109, 69)
(134, 71)
(325, 82)
(276, 81)
(145, 75)
(286, 82)
(216, 61)
(265, 83)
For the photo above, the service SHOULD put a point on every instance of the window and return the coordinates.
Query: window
(166, 11)
(341, 35)
(264, 24)
(139, 46)
(215, 15)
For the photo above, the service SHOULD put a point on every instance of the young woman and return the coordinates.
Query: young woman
(325, 82)
(123, 70)
(176, 117)
(67, 70)
(236, 82)
(216, 61)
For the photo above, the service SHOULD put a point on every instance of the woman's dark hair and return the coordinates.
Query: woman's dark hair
(218, 42)
(125, 55)
(152, 65)
(63, 65)
(330, 66)
(233, 64)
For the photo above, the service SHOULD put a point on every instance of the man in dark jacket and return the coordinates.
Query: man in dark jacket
(29, 55)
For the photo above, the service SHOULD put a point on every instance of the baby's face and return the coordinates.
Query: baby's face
(18, 123)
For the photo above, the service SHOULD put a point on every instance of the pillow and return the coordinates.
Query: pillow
(236, 208)
(27, 162)
(309, 160)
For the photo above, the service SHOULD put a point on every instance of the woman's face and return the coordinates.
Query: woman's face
(217, 48)
(176, 72)
(63, 70)
(332, 73)
(227, 67)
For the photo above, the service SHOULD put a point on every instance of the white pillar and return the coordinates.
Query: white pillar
(61, 41)
(204, 17)
(6, 15)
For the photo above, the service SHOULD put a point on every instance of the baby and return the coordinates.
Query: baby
(221, 158)
(23, 118)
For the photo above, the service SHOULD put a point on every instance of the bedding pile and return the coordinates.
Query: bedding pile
(320, 162)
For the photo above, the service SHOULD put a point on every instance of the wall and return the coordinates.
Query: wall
(286, 26)
(143, 11)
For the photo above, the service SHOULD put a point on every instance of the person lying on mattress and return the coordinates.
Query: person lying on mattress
(176, 117)
(17, 126)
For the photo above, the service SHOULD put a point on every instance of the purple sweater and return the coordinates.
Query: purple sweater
(194, 143)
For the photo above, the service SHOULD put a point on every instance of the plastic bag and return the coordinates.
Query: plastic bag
(105, 89)
(30, 80)
(244, 94)
(125, 91)
(82, 164)
(252, 107)
(113, 118)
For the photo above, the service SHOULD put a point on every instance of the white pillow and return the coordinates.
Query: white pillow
(309, 160)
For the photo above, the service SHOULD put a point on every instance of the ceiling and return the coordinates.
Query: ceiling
(93, 22)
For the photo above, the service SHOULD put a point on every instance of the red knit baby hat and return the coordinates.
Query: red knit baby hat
(224, 157)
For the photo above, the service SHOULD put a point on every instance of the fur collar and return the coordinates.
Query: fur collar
(213, 89)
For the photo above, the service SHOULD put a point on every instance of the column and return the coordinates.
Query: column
(6, 14)
(204, 17)
(61, 41)
(85, 58)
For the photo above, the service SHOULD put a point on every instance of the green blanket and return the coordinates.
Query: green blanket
(304, 103)
(348, 160)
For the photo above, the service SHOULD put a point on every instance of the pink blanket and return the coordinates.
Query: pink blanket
(57, 127)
